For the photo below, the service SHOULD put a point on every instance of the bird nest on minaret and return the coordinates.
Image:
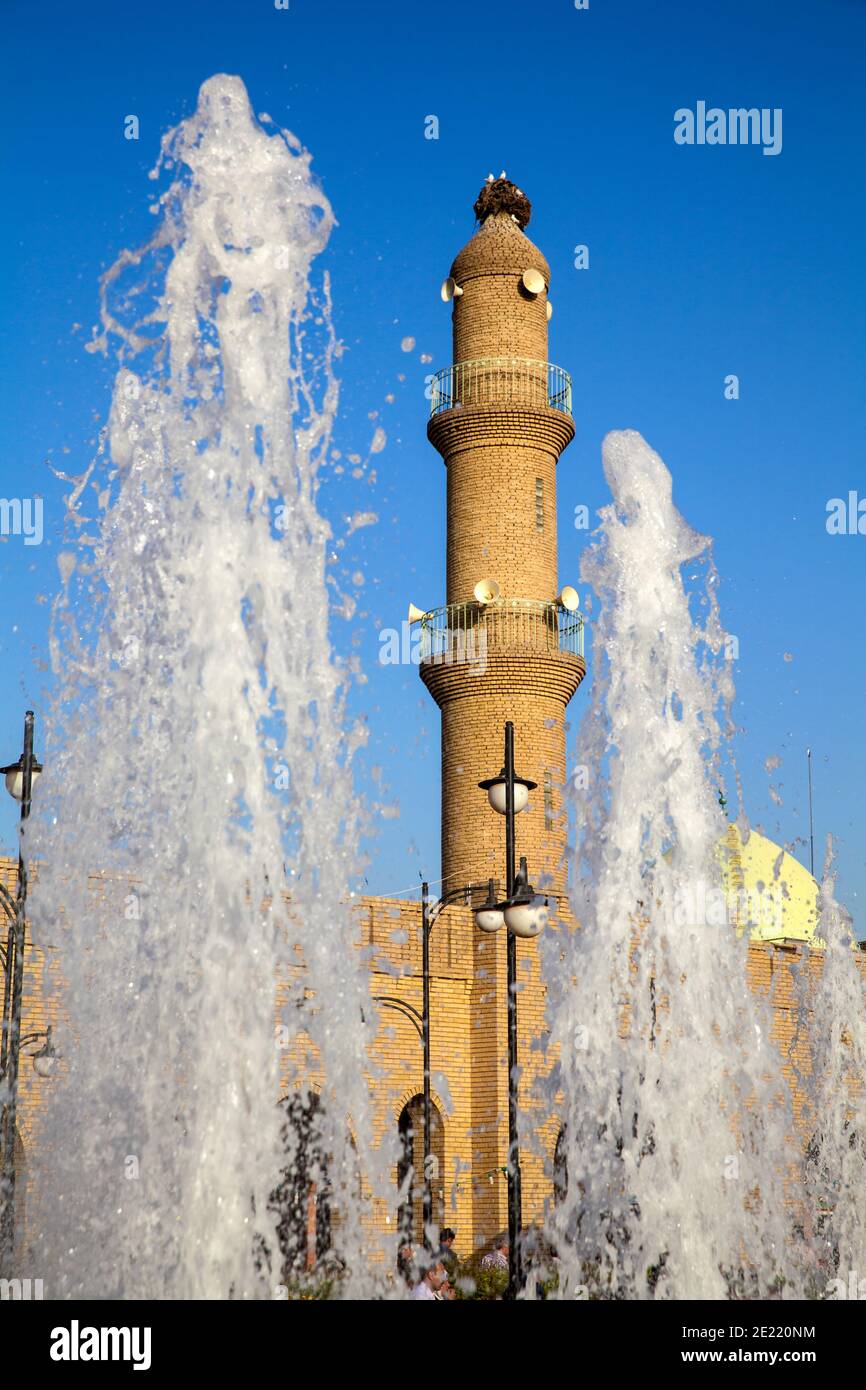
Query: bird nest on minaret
(501, 195)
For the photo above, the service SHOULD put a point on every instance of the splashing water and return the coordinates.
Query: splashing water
(678, 1128)
(197, 750)
(836, 1157)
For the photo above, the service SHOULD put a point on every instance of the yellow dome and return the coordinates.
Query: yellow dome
(769, 893)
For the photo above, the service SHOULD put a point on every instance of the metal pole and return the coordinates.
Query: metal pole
(427, 1209)
(7, 994)
(509, 809)
(428, 921)
(515, 1262)
(16, 965)
(811, 829)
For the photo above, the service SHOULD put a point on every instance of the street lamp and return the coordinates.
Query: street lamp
(489, 917)
(45, 1059)
(497, 792)
(19, 782)
(14, 775)
(525, 911)
(524, 914)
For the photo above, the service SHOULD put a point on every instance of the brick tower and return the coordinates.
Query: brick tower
(506, 650)
(500, 418)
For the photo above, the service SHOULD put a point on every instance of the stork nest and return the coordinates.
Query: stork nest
(503, 196)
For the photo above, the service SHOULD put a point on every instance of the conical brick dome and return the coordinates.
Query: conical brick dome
(499, 247)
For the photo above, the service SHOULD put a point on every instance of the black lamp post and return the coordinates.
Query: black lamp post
(523, 914)
(19, 777)
(429, 917)
(421, 1022)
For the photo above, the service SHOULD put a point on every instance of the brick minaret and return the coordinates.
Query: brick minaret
(501, 417)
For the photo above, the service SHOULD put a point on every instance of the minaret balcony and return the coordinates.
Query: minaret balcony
(495, 381)
(467, 632)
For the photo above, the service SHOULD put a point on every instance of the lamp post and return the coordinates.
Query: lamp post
(524, 914)
(811, 824)
(19, 777)
(421, 1022)
(429, 917)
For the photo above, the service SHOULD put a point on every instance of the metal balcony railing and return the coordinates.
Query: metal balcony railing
(468, 631)
(501, 381)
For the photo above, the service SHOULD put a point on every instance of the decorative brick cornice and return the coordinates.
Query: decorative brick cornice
(530, 671)
(500, 426)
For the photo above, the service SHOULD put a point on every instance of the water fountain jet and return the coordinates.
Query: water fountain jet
(198, 750)
(678, 1134)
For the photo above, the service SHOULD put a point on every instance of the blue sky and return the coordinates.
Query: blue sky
(704, 261)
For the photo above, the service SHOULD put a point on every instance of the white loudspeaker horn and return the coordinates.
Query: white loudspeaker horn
(486, 590)
(416, 614)
(533, 281)
(450, 289)
(570, 599)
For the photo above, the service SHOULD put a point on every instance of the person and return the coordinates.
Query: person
(446, 1241)
(497, 1258)
(429, 1288)
(406, 1263)
(447, 1253)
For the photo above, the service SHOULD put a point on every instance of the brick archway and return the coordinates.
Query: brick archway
(412, 1091)
(410, 1129)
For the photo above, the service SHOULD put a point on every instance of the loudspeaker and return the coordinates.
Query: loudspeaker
(486, 590)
